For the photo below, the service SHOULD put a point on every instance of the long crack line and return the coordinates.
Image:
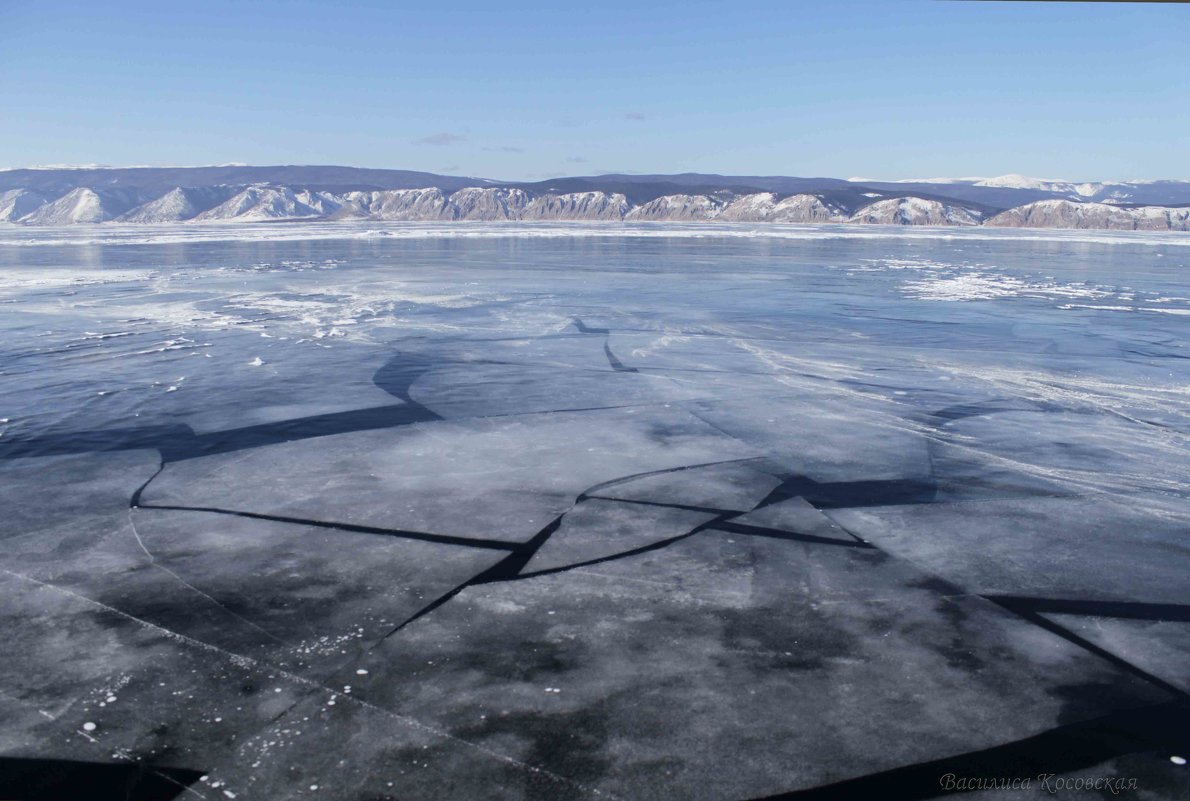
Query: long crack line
(247, 661)
(153, 561)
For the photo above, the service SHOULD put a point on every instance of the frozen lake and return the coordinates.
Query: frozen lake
(482, 511)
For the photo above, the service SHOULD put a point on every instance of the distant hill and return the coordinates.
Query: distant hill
(158, 180)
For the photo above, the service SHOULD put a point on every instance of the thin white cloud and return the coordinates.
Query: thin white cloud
(441, 139)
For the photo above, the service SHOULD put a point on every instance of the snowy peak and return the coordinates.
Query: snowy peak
(1132, 192)
(81, 205)
(77, 206)
(258, 203)
(485, 203)
(1013, 181)
(679, 208)
(577, 206)
(173, 206)
(1014, 189)
(1085, 189)
(915, 211)
(1069, 214)
(397, 205)
(17, 203)
(177, 205)
(764, 207)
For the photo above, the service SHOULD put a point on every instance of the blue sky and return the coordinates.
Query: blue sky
(524, 90)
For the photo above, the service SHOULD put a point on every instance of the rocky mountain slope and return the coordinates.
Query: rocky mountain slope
(1068, 214)
(17, 203)
(46, 197)
(177, 205)
(678, 208)
(76, 206)
(577, 206)
(766, 207)
(396, 204)
(915, 211)
(260, 203)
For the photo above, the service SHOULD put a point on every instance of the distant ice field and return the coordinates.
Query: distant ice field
(115, 233)
(175, 306)
(709, 512)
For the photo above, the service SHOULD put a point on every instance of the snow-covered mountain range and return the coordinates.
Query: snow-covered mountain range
(1102, 191)
(259, 194)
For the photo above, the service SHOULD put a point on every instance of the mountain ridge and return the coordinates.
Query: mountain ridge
(147, 195)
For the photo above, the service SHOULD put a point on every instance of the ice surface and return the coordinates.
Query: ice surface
(597, 529)
(795, 516)
(671, 661)
(737, 486)
(1159, 647)
(501, 477)
(591, 511)
(1047, 547)
(114, 234)
(321, 594)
